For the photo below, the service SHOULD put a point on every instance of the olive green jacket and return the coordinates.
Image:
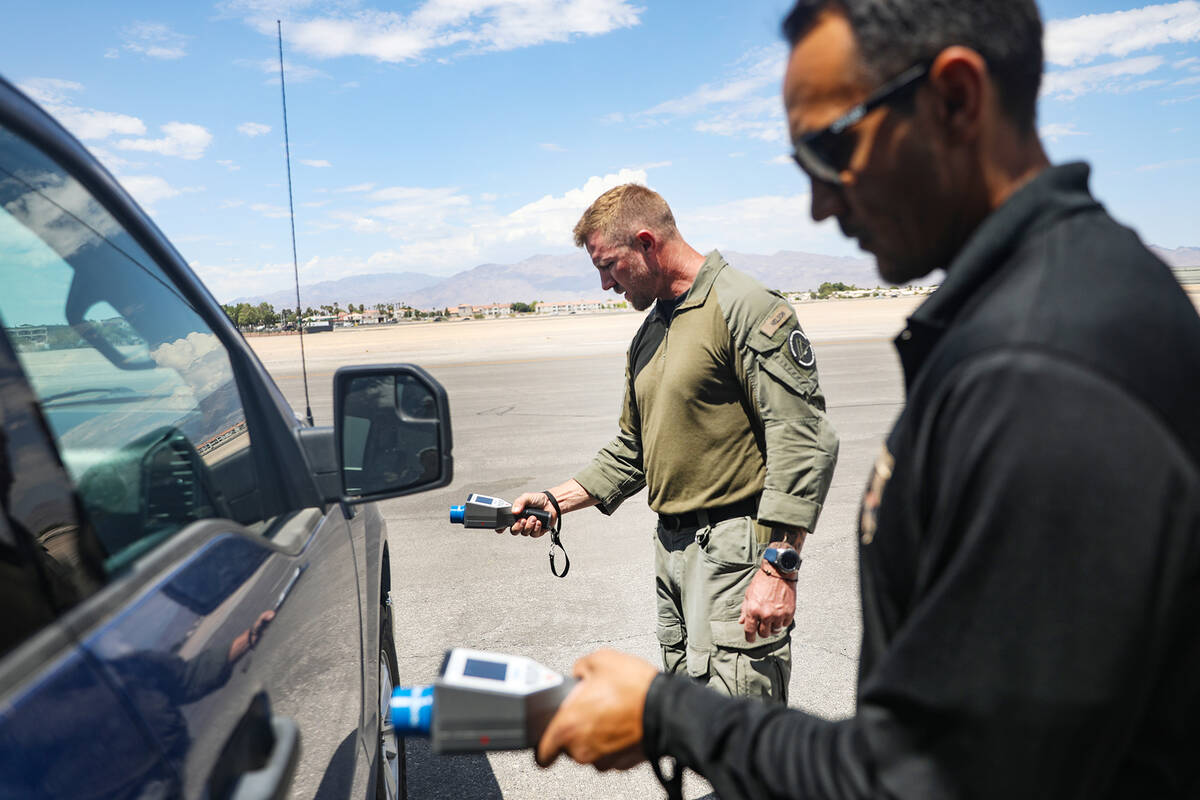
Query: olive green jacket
(721, 404)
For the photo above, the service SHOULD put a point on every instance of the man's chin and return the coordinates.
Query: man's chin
(897, 273)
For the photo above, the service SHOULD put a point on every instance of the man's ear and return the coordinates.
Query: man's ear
(960, 80)
(646, 239)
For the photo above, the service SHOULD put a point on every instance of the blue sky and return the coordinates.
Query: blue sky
(436, 135)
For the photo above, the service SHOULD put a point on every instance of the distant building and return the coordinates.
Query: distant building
(577, 306)
(30, 337)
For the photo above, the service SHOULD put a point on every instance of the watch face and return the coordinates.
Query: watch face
(788, 560)
(783, 559)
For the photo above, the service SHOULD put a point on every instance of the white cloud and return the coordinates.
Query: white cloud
(440, 26)
(745, 105)
(149, 189)
(760, 69)
(54, 95)
(1179, 162)
(1176, 100)
(1114, 76)
(358, 187)
(253, 129)
(88, 123)
(154, 40)
(183, 139)
(50, 90)
(294, 73)
(315, 162)
(762, 225)
(440, 228)
(552, 147)
(229, 165)
(1059, 130)
(271, 211)
(1187, 81)
(549, 220)
(759, 118)
(1080, 40)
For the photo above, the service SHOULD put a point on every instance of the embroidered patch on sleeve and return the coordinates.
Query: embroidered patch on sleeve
(778, 317)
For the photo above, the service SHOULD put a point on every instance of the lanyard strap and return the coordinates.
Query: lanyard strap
(555, 541)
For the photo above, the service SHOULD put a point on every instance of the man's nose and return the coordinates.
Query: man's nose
(827, 200)
(606, 282)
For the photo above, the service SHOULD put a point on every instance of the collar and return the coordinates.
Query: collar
(1051, 194)
(714, 262)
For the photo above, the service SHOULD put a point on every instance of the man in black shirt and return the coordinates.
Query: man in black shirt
(1030, 535)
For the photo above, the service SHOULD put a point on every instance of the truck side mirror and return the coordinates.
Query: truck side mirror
(391, 431)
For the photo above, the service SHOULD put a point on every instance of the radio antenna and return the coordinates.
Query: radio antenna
(287, 150)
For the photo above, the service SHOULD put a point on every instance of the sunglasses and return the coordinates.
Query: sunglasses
(825, 153)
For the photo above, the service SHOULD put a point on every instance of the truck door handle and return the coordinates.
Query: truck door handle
(272, 780)
(259, 756)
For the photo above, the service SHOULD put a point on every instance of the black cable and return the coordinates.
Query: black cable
(287, 149)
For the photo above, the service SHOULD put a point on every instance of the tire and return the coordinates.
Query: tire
(391, 773)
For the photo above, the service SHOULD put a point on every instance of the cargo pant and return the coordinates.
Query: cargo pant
(701, 579)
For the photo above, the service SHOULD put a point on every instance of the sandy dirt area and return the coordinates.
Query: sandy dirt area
(529, 338)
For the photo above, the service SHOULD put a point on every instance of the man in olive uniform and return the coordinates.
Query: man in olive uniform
(724, 422)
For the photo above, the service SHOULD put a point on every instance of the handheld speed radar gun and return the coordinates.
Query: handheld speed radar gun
(481, 701)
(491, 512)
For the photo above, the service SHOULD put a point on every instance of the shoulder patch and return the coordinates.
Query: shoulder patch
(801, 349)
(778, 317)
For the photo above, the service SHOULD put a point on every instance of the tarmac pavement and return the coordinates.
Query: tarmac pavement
(531, 402)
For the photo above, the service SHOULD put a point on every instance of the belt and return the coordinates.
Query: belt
(708, 516)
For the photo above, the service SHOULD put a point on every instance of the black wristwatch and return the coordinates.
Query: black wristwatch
(785, 560)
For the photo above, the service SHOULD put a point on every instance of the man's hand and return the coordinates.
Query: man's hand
(770, 605)
(248, 638)
(570, 496)
(530, 526)
(600, 721)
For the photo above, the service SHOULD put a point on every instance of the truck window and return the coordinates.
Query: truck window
(137, 390)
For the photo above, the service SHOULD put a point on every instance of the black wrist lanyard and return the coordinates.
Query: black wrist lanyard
(555, 541)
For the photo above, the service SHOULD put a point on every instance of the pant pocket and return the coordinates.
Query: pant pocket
(670, 641)
(731, 634)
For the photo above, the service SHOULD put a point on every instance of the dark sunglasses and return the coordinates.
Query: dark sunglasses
(824, 153)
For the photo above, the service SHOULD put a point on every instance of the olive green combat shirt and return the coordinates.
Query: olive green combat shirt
(721, 404)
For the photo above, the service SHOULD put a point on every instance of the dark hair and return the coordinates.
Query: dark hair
(892, 35)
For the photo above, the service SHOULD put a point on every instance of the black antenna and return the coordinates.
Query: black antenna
(287, 149)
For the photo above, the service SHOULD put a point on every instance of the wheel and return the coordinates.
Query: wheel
(391, 782)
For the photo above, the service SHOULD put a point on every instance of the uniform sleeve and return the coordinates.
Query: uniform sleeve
(778, 371)
(1049, 620)
(616, 473)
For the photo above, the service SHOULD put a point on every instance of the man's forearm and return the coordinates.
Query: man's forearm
(748, 749)
(571, 496)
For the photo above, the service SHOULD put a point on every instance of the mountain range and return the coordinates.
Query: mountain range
(547, 278)
(571, 276)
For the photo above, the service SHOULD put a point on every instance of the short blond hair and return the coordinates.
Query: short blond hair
(622, 211)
